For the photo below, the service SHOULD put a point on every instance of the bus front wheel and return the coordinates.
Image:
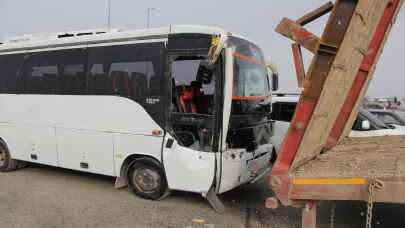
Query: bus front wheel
(146, 179)
(7, 164)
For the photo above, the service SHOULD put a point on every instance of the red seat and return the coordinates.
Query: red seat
(186, 100)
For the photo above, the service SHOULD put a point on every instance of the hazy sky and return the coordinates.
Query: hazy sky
(253, 19)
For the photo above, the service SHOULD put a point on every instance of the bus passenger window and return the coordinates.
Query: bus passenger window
(42, 80)
(55, 72)
(193, 93)
(133, 71)
(194, 86)
(11, 66)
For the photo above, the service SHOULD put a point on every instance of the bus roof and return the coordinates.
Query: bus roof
(77, 38)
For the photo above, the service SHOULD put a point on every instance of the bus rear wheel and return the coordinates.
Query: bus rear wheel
(146, 179)
(7, 164)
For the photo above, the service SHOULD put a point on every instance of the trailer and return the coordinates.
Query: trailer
(317, 161)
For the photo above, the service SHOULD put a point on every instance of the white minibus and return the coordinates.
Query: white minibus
(178, 108)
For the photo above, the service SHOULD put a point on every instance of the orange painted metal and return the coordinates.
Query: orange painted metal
(280, 181)
(248, 59)
(331, 40)
(363, 74)
(299, 64)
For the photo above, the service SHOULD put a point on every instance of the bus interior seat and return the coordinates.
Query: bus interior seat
(35, 84)
(79, 83)
(67, 83)
(120, 83)
(101, 84)
(139, 84)
(186, 99)
(155, 86)
(50, 83)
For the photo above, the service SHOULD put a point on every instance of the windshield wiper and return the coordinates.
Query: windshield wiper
(266, 101)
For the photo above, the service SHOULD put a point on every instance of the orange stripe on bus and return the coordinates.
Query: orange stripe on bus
(248, 59)
(251, 98)
(327, 181)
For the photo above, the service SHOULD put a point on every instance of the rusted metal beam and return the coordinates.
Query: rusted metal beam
(339, 78)
(329, 192)
(333, 36)
(311, 16)
(300, 35)
(299, 64)
(370, 59)
(391, 191)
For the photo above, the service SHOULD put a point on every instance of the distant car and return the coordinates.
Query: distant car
(366, 124)
(373, 105)
(390, 118)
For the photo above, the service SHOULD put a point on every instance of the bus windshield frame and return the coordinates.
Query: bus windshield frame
(251, 89)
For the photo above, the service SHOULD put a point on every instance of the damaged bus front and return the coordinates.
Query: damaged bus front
(218, 123)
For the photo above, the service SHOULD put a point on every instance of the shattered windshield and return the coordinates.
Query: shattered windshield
(251, 86)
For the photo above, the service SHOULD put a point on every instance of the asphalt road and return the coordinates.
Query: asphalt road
(44, 197)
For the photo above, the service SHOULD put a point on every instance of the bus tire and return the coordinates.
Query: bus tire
(146, 179)
(7, 164)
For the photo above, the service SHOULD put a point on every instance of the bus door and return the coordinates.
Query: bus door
(188, 154)
(224, 171)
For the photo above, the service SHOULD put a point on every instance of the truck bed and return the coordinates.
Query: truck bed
(344, 172)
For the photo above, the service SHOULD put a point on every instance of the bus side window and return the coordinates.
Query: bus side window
(194, 87)
(55, 72)
(10, 68)
(134, 71)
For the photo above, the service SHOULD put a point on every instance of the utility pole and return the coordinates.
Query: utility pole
(149, 10)
(109, 14)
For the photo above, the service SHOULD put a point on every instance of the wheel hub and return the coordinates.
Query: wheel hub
(2, 157)
(146, 179)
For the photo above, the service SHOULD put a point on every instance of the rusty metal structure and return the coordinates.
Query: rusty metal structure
(317, 161)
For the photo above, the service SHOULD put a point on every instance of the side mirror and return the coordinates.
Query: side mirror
(274, 82)
(365, 125)
(273, 71)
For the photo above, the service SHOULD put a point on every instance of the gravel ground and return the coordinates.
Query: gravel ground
(44, 197)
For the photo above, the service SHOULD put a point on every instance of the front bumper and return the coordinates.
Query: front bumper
(239, 167)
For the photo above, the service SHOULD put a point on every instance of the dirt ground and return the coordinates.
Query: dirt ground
(44, 197)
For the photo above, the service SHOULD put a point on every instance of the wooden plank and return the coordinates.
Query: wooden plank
(341, 174)
(353, 115)
(299, 64)
(311, 16)
(297, 33)
(364, 74)
(339, 80)
(392, 192)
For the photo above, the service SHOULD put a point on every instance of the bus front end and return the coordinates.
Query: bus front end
(219, 125)
(248, 149)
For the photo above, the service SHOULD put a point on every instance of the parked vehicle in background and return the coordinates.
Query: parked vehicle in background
(390, 117)
(366, 124)
(373, 105)
(177, 108)
(283, 111)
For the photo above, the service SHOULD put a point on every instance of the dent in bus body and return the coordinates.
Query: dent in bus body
(188, 169)
(189, 149)
(246, 147)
